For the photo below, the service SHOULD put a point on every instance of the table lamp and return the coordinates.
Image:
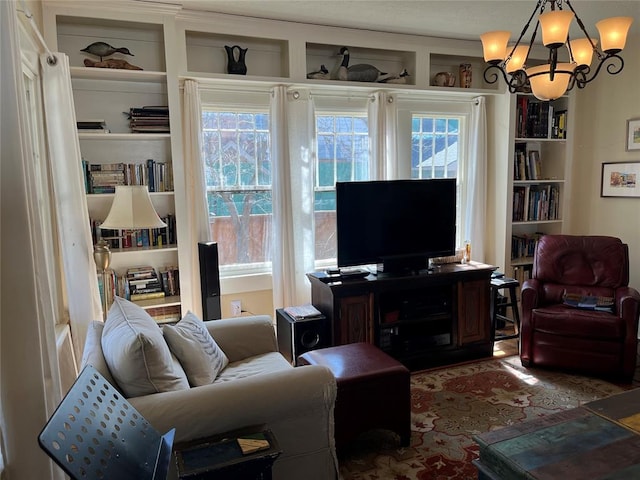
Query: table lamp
(131, 209)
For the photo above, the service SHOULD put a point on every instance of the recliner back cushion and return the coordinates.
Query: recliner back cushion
(587, 261)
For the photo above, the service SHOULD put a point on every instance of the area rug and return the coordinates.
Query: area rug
(450, 405)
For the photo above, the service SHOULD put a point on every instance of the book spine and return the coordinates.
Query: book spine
(146, 296)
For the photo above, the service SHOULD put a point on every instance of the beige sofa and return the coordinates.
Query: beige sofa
(257, 387)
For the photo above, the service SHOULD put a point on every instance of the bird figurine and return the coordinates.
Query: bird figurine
(323, 73)
(361, 72)
(395, 77)
(102, 49)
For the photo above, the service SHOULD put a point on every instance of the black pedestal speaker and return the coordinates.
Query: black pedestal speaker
(209, 280)
(298, 336)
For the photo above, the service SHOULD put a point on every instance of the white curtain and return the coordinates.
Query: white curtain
(198, 229)
(383, 125)
(29, 378)
(292, 158)
(475, 176)
(71, 203)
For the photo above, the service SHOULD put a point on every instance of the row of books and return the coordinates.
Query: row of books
(522, 273)
(536, 203)
(140, 283)
(151, 119)
(143, 237)
(527, 164)
(523, 246)
(103, 178)
(535, 119)
(92, 126)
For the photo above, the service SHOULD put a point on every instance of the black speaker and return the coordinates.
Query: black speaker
(298, 336)
(209, 280)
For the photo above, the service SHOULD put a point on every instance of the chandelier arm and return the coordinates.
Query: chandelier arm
(615, 64)
(492, 77)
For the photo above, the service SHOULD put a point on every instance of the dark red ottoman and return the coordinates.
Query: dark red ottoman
(373, 390)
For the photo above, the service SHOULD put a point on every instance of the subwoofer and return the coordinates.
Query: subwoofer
(209, 280)
(298, 336)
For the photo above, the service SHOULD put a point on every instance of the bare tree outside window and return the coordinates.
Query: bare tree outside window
(238, 177)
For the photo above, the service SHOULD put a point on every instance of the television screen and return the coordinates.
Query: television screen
(396, 224)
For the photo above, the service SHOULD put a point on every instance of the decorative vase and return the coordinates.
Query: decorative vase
(235, 60)
(465, 75)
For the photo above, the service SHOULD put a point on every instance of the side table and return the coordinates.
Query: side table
(220, 457)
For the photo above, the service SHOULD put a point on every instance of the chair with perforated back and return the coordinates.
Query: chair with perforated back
(96, 433)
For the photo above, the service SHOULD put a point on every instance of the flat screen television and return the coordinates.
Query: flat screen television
(396, 224)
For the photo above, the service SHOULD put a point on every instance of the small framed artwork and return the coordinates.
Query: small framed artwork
(633, 134)
(620, 179)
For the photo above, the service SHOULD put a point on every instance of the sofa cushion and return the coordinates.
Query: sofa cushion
(264, 363)
(199, 354)
(137, 355)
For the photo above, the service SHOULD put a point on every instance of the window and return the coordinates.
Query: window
(238, 178)
(343, 155)
(434, 146)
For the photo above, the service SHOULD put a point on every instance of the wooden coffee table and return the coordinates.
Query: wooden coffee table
(598, 440)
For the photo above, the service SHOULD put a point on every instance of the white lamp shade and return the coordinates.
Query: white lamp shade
(613, 33)
(494, 45)
(132, 208)
(555, 27)
(517, 58)
(582, 50)
(543, 87)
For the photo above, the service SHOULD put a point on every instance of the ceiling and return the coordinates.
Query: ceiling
(435, 18)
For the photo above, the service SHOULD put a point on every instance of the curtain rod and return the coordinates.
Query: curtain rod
(318, 91)
(51, 58)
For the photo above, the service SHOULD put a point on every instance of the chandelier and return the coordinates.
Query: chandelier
(554, 78)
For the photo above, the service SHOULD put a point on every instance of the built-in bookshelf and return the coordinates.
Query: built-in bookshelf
(125, 139)
(538, 173)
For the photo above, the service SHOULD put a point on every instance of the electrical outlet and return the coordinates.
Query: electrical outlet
(236, 308)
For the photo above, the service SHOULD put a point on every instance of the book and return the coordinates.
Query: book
(146, 296)
(303, 312)
(589, 302)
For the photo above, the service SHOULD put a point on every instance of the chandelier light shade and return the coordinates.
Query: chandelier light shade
(553, 79)
(132, 209)
(613, 33)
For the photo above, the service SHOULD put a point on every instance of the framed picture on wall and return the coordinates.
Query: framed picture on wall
(633, 134)
(620, 179)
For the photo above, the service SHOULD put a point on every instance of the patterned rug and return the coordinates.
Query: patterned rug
(449, 405)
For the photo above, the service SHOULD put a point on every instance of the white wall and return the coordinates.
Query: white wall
(602, 111)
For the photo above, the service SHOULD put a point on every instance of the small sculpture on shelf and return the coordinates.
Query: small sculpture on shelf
(111, 63)
(444, 79)
(236, 60)
(361, 72)
(102, 49)
(323, 73)
(395, 77)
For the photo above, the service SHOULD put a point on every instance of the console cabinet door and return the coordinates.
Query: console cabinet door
(473, 311)
(355, 321)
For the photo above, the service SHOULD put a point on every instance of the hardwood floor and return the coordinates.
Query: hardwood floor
(504, 348)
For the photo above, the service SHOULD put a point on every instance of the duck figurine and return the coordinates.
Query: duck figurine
(323, 73)
(395, 77)
(102, 49)
(361, 72)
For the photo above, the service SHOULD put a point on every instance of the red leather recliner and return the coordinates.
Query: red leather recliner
(556, 335)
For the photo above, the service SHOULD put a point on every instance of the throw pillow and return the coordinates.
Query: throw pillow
(137, 354)
(199, 354)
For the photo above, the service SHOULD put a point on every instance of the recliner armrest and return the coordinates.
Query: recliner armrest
(627, 301)
(244, 337)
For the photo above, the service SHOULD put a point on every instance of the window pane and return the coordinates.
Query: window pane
(343, 155)
(238, 178)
